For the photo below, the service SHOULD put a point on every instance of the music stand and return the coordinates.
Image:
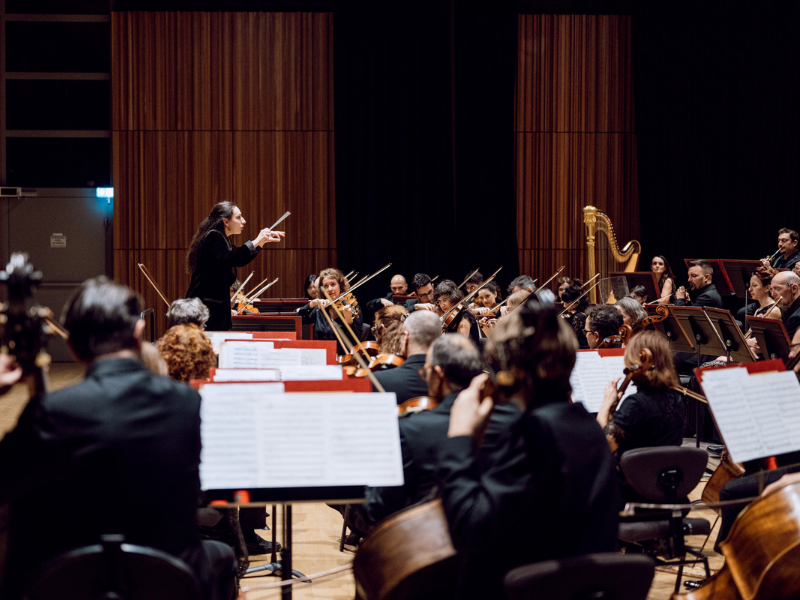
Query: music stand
(679, 340)
(719, 277)
(646, 279)
(696, 323)
(736, 347)
(772, 337)
(739, 273)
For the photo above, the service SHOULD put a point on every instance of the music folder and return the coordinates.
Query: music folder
(739, 273)
(679, 340)
(647, 279)
(772, 337)
(698, 326)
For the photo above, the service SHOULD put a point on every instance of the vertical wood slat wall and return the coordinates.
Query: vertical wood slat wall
(575, 140)
(222, 106)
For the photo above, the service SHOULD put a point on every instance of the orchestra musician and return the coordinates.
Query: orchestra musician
(786, 291)
(631, 311)
(701, 291)
(563, 283)
(187, 352)
(523, 282)
(212, 260)
(787, 247)
(553, 455)
(423, 288)
(474, 282)
(118, 452)
(575, 314)
(666, 282)
(335, 284)
(388, 328)
(653, 416)
(397, 287)
(447, 296)
(187, 311)
(310, 286)
(602, 321)
(639, 293)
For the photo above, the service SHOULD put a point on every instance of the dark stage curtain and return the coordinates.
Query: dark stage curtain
(716, 100)
(424, 99)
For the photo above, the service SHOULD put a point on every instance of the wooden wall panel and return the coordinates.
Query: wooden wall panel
(222, 106)
(575, 140)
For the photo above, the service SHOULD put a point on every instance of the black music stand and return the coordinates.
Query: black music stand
(647, 279)
(679, 340)
(772, 337)
(719, 278)
(736, 347)
(739, 273)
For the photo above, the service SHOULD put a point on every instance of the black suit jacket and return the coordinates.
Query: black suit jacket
(117, 453)
(791, 318)
(404, 380)
(549, 493)
(707, 296)
(215, 274)
(322, 328)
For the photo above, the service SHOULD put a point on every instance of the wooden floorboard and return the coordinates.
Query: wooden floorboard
(317, 527)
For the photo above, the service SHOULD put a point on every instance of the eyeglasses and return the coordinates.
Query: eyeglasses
(423, 373)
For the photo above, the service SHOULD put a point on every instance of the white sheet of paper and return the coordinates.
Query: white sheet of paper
(756, 414)
(311, 373)
(217, 337)
(223, 375)
(253, 439)
(313, 356)
(591, 375)
(257, 355)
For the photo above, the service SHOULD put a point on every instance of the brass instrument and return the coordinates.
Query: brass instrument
(595, 222)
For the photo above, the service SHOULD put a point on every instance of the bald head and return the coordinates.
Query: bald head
(399, 285)
(785, 289)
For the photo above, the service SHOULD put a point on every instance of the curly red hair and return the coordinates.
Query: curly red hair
(187, 352)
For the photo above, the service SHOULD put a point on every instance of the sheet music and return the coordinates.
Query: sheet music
(758, 414)
(217, 337)
(223, 375)
(312, 373)
(313, 356)
(257, 355)
(254, 439)
(591, 375)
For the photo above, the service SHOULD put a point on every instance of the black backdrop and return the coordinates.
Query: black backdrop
(717, 96)
(424, 106)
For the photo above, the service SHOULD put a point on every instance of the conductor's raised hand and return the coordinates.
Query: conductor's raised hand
(469, 411)
(266, 236)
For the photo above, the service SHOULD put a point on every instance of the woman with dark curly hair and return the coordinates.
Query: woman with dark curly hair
(212, 260)
(187, 352)
(447, 295)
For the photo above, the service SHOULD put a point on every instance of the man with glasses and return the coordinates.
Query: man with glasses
(423, 288)
(602, 322)
(786, 292)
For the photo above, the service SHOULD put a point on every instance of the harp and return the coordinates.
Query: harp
(604, 254)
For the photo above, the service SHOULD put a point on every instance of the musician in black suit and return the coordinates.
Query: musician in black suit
(117, 453)
(423, 288)
(212, 260)
(787, 245)
(786, 292)
(420, 330)
(554, 461)
(701, 291)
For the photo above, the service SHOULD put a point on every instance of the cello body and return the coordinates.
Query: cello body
(407, 555)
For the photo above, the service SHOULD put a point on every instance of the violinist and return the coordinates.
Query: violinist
(602, 322)
(310, 286)
(423, 288)
(335, 284)
(523, 282)
(212, 260)
(666, 281)
(474, 282)
(489, 299)
(187, 311)
(576, 313)
(447, 296)
(653, 416)
(388, 328)
(397, 287)
(552, 456)
(563, 284)
(417, 333)
(631, 311)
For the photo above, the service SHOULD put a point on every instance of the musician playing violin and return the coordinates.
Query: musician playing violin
(489, 297)
(447, 296)
(423, 288)
(335, 284)
(602, 321)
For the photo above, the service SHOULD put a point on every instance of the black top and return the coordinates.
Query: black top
(474, 330)
(705, 296)
(578, 322)
(791, 318)
(404, 380)
(117, 453)
(549, 492)
(217, 260)
(323, 331)
(422, 436)
(786, 263)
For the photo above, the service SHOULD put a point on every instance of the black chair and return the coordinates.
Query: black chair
(665, 475)
(113, 570)
(606, 576)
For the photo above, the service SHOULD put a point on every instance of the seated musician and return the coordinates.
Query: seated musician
(335, 284)
(474, 282)
(575, 311)
(786, 292)
(563, 283)
(602, 322)
(388, 328)
(653, 416)
(631, 311)
(397, 287)
(187, 352)
(639, 293)
(552, 461)
(450, 365)
(789, 254)
(310, 286)
(701, 291)
(418, 332)
(489, 297)
(666, 283)
(118, 452)
(523, 282)
(187, 311)
(447, 296)
(423, 288)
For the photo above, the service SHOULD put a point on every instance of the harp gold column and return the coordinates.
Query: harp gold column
(603, 260)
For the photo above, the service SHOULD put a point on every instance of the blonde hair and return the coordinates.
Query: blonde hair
(333, 274)
(388, 328)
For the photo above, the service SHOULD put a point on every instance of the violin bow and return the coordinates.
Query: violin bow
(468, 277)
(359, 284)
(358, 344)
(434, 279)
(279, 221)
(544, 285)
(351, 276)
(146, 273)
(470, 296)
(233, 299)
(335, 331)
(261, 291)
(574, 302)
(591, 280)
(250, 293)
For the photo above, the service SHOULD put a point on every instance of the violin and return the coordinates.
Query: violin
(371, 348)
(662, 312)
(244, 305)
(381, 362)
(621, 337)
(451, 315)
(417, 404)
(348, 300)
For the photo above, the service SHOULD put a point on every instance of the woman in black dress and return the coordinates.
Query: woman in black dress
(447, 295)
(212, 260)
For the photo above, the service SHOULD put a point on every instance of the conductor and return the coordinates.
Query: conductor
(212, 260)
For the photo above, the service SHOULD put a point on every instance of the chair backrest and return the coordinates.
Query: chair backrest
(113, 570)
(610, 576)
(664, 473)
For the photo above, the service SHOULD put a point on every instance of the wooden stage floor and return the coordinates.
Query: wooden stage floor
(317, 527)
